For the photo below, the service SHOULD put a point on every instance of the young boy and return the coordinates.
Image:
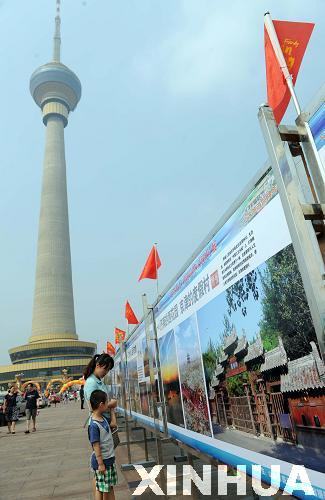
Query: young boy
(103, 456)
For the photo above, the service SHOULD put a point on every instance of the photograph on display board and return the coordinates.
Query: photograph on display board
(133, 393)
(148, 356)
(237, 345)
(144, 399)
(170, 377)
(249, 335)
(191, 375)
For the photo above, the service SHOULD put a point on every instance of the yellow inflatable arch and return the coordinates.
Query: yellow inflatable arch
(25, 384)
(50, 384)
(70, 384)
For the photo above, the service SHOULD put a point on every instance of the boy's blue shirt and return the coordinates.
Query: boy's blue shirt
(94, 435)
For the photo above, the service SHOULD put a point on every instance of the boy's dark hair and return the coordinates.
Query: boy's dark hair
(96, 398)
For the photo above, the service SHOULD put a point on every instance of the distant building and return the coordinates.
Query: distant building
(54, 343)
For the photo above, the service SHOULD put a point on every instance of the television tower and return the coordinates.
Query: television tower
(57, 91)
(53, 348)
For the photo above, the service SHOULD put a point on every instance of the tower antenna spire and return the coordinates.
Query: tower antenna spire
(57, 33)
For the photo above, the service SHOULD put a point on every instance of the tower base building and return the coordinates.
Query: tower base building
(42, 361)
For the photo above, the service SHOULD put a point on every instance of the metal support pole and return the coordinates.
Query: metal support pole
(315, 165)
(145, 444)
(153, 399)
(123, 373)
(160, 382)
(303, 236)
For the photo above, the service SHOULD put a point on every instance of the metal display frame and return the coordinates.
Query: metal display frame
(299, 212)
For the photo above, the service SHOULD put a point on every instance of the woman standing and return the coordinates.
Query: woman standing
(12, 409)
(96, 370)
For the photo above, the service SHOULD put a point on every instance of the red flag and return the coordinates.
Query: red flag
(152, 265)
(129, 315)
(119, 336)
(293, 39)
(110, 349)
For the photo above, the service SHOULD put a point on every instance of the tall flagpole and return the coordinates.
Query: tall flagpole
(159, 373)
(158, 366)
(156, 264)
(127, 375)
(288, 77)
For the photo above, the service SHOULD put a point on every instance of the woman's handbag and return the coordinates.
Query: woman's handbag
(116, 438)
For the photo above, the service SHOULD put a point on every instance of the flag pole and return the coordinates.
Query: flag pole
(153, 394)
(127, 375)
(159, 373)
(280, 57)
(157, 281)
(288, 77)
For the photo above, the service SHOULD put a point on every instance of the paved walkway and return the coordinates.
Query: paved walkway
(52, 462)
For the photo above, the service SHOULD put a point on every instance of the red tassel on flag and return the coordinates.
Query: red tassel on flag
(119, 336)
(152, 265)
(293, 39)
(129, 315)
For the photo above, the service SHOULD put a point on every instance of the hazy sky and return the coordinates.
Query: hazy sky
(163, 140)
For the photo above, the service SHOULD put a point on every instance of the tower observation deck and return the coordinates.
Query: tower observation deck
(54, 343)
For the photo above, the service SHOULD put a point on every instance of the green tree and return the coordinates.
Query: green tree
(239, 293)
(210, 357)
(235, 385)
(227, 327)
(270, 338)
(285, 307)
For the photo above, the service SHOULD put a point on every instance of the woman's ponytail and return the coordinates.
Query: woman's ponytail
(91, 366)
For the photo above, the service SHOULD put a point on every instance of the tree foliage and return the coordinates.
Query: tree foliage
(235, 384)
(228, 327)
(285, 307)
(238, 294)
(210, 357)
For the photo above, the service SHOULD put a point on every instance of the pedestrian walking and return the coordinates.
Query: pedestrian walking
(31, 396)
(103, 457)
(94, 374)
(54, 399)
(11, 409)
(82, 396)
